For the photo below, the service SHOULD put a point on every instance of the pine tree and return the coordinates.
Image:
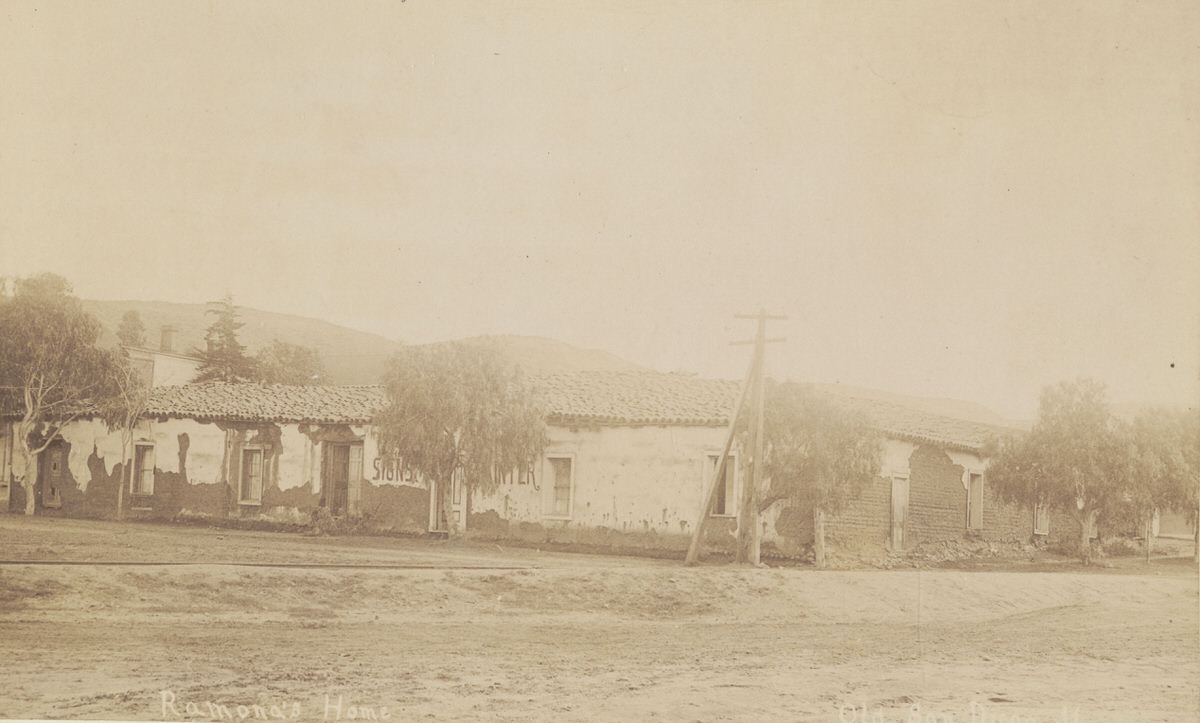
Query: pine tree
(132, 332)
(225, 358)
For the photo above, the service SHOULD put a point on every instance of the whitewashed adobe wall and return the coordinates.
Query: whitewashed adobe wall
(626, 479)
(197, 480)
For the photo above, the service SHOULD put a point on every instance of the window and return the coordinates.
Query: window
(725, 502)
(559, 486)
(975, 502)
(252, 477)
(143, 469)
(1041, 520)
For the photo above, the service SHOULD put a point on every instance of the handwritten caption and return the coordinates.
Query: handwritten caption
(976, 712)
(334, 709)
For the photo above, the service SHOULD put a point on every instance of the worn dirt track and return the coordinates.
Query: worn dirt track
(571, 637)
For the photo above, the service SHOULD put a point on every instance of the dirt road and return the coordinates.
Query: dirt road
(570, 637)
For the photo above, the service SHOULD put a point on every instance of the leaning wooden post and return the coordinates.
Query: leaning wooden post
(819, 538)
(1149, 535)
(710, 490)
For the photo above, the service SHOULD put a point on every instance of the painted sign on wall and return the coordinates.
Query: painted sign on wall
(391, 469)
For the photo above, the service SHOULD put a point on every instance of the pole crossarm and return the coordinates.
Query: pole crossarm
(774, 340)
(761, 315)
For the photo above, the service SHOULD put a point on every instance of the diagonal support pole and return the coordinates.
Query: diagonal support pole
(748, 542)
(710, 490)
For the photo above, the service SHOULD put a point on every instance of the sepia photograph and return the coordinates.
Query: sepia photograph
(705, 360)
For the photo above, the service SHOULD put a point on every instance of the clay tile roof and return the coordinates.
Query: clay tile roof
(607, 398)
(267, 402)
(915, 425)
(635, 397)
(624, 398)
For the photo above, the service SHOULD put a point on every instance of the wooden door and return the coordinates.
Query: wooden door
(438, 521)
(53, 469)
(339, 478)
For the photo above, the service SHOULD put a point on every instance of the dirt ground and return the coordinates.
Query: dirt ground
(425, 629)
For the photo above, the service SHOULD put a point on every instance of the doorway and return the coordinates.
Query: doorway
(337, 477)
(439, 516)
(52, 473)
(899, 511)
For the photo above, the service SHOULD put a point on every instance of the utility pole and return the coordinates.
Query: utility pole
(752, 387)
(749, 531)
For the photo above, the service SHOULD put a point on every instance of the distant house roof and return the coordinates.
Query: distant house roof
(145, 350)
(267, 402)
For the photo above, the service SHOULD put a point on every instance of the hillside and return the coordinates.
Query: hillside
(359, 357)
(538, 354)
(350, 356)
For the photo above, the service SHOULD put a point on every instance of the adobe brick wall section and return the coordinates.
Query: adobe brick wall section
(937, 502)
(867, 517)
(1002, 521)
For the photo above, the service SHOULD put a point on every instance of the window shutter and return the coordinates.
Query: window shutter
(354, 483)
(151, 463)
(143, 472)
(323, 450)
(975, 503)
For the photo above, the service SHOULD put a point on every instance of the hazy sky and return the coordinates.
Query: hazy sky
(969, 200)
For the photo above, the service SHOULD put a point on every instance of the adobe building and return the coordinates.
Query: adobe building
(628, 458)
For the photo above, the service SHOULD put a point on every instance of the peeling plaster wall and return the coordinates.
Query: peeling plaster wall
(643, 481)
(297, 448)
(18, 460)
(896, 454)
(390, 498)
(197, 471)
(936, 504)
(633, 487)
(970, 463)
(370, 442)
(641, 487)
(382, 499)
(16, 469)
(1001, 520)
(84, 438)
(205, 459)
